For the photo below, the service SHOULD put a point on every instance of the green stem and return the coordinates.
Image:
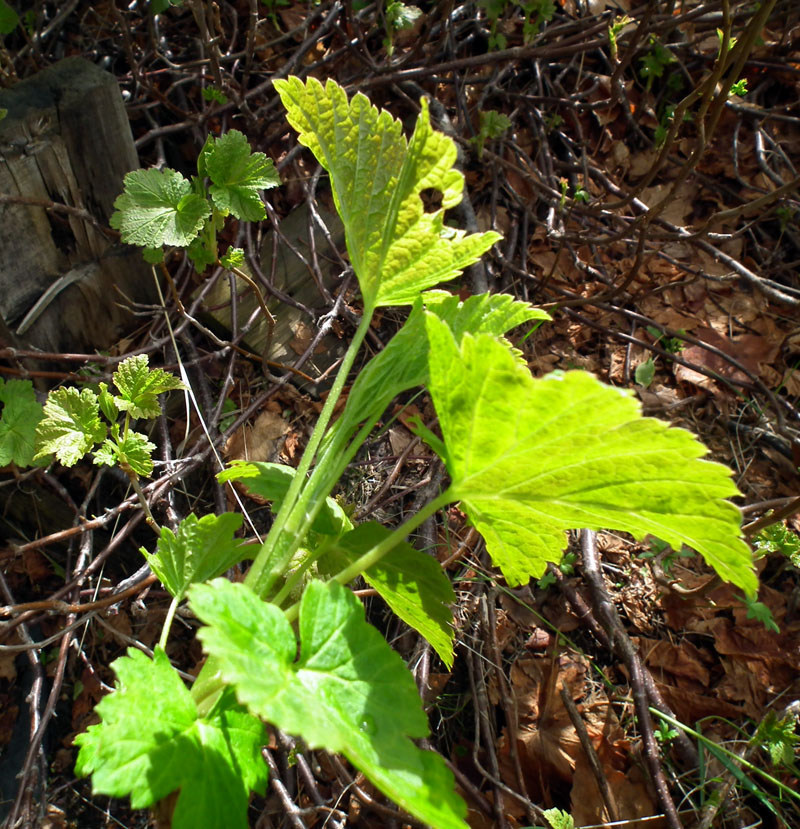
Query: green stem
(173, 606)
(291, 583)
(374, 555)
(297, 510)
(716, 747)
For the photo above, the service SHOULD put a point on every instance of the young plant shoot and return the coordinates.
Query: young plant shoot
(528, 459)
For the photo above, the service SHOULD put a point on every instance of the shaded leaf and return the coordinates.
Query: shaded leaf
(237, 175)
(411, 582)
(19, 418)
(200, 550)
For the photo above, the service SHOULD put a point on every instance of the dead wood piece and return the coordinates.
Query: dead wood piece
(65, 147)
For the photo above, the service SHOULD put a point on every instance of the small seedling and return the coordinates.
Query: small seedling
(493, 125)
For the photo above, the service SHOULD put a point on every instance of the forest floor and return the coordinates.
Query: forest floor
(667, 254)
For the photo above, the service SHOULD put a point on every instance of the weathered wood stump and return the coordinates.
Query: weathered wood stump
(65, 284)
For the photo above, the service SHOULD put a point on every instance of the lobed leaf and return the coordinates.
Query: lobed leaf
(395, 247)
(71, 425)
(200, 550)
(237, 174)
(158, 207)
(346, 691)
(411, 582)
(530, 459)
(139, 386)
(133, 450)
(151, 742)
(20, 416)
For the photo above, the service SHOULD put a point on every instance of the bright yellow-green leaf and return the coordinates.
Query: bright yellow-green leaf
(397, 249)
(530, 459)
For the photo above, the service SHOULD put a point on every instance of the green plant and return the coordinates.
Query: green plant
(527, 460)
(614, 30)
(398, 16)
(778, 737)
(655, 61)
(493, 125)
(535, 12)
(778, 538)
(9, 19)
(19, 418)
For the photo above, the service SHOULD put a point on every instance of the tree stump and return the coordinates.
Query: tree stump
(65, 285)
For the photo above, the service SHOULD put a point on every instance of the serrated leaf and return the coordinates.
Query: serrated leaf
(238, 175)
(403, 363)
(346, 691)
(234, 258)
(530, 459)
(200, 550)
(158, 208)
(139, 386)
(133, 450)
(71, 425)
(395, 247)
(412, 583)
(151, 742)
(19, 417)
(271, 481)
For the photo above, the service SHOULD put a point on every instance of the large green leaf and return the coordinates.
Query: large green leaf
(412, 583)
(346, 691)
(151, 742)
(530, 459)
(396, 248)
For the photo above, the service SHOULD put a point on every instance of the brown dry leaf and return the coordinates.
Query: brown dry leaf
(679, 205)
(683, 661)
(628, 790)
(749, 350)
(261, 441)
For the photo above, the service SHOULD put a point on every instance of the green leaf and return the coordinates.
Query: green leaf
(19, 418)
(271, 481)
(200, 550)
(412, 583)
(139, 386)
(107, 403)
(400, 16)
(234, 258)
(760, 613)
(151, 742)
(346, 691)
(558, 819)
(158, 208)
(530, 459)
(645, 372)
(403, 363)
(238, 175)
(395, 247)
(9, 20)
(134, 450)
(71, 425)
